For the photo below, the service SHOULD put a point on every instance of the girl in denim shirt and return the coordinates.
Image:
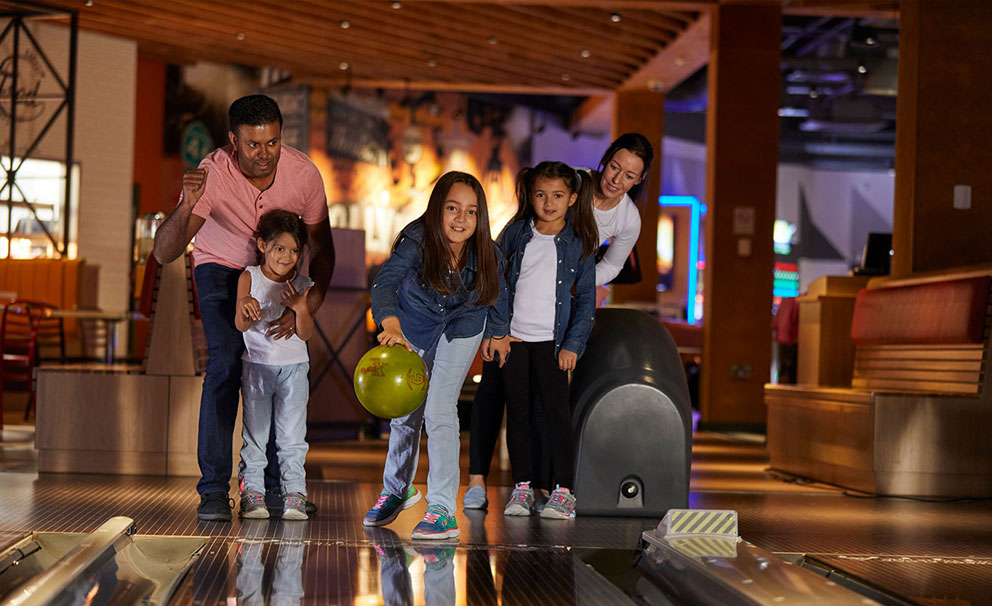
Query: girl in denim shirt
(440, 294)
(549, 249)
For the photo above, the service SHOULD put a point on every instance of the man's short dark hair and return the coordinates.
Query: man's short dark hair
(253, 110)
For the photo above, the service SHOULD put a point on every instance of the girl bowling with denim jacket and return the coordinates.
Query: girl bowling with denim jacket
(440, 294)
(551, 276)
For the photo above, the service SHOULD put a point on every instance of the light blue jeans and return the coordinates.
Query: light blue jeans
(447, 369)
(280, 393)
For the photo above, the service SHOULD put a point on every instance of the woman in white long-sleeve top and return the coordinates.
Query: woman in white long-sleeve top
(619, 181)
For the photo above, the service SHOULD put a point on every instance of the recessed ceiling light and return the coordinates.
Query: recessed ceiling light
(397, 5)
(89, 2)
(431, 62)
(585, 53)
(565, 77)
(240, 35)
(869, 41)
(615, 17)
(813, 94)
(345, 24)
(862, 69)
(343, 66)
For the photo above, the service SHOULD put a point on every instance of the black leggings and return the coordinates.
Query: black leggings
(537, 362)
(487, 416)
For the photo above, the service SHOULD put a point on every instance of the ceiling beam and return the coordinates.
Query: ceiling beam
(462, 87)
(677, 61)
(595, 115)
(613, 5)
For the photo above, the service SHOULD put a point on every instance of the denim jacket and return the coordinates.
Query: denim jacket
(400, 290)
(572, 325)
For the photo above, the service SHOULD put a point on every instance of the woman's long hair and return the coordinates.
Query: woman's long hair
(578, 182)
(437, 256)
(637, 144)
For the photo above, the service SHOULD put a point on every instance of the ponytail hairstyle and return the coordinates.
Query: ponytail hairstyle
(276, 222)
(436, 252)
(579, 215)
(637, 144)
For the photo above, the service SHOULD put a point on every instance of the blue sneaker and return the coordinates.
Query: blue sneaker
(389, 506)
(436, 558)
(437, 524)
(475, 498)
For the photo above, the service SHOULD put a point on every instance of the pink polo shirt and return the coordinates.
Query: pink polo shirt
(231, 205)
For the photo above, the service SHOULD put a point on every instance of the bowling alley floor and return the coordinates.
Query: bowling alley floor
(914, 551)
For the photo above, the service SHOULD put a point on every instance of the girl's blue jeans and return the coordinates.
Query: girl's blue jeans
(447, 368)
(275, 401)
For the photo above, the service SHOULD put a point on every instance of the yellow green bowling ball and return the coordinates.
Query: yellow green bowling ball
(391, 382)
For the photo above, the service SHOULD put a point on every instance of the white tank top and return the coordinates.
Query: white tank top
(260, 348)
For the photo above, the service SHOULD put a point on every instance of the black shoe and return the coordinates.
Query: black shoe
(273, 501)
(215, 506)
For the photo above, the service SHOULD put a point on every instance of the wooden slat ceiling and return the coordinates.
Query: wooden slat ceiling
(575, 47)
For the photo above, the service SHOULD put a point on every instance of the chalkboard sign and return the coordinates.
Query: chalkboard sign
(294, 103)
(357, 133)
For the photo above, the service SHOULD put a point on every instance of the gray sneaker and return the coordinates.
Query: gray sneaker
(253, 505)
(475, 498)
(560, 505)
(521, 500)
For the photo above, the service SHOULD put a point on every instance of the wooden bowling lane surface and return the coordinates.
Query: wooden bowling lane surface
(928, 552)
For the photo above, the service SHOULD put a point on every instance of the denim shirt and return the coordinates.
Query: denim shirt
(572, 326)
(399, 289)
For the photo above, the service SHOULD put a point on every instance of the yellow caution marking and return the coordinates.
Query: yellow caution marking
(720, 522)
(706, 546)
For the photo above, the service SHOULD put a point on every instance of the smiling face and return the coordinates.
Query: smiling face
(257, 149)
(624, 170)
(280, 257)
(459, 217)
(550, 198)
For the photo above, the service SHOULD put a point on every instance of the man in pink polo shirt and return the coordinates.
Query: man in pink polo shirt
(220, 204)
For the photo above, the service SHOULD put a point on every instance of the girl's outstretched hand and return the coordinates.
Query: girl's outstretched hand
(295, 300)
(249, 308)
(566, 359)
(392, 334)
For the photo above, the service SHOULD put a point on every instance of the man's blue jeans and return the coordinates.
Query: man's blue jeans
(217, 288)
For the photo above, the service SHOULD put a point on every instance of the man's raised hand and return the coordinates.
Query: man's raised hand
(194, 182)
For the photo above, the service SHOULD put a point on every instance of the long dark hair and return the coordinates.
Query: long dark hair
(276, 222)
(437, 257)
(637, 144)
(579, 214)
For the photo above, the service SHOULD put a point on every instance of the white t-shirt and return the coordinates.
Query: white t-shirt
(534, 299)
(259, 348)
(621, 225)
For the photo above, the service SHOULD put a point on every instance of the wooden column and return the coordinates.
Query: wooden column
(942, 135)
(741, 173)
(643, 111)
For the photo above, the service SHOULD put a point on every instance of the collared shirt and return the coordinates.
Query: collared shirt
(576, 277)
(400, 290)
(231, 205)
